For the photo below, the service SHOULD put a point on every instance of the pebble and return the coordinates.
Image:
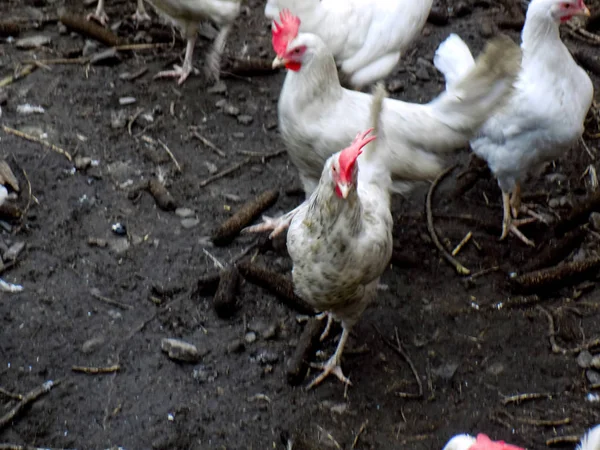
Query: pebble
(30, 109)
(89, 48)
(267, 357)
(179, 350)
(250, 337)
(92, 344)
(97, 242)
(3, 96)
(13, 251)
(422, 74)
(595, 221)
(446, 371)
(127, 101)
(584, 359)
(236, 346)
(270, 332)
(486, 30)
(238, 134)
(117, 119)
(184, 212)
(114, 314)
(189, 222)
(203, 374)
(82, 162)
(245, 119)
(32, 42)
(556, 178)
(495, 369)
(62, 29)
(119, 245)
(219, 88)
(595, 362)
(212, 168)
(231, 110)
(108, 57)
(592, 376)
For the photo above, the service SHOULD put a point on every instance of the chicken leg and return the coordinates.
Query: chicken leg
(278, 225)
(332, 366)
(140, 14)
(182, 72)
(510, 225)
(327, 329)
(100, 15)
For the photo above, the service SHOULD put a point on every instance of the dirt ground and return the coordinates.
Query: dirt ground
(474, 341)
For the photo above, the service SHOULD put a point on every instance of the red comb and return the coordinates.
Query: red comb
(348, 156)
(286, 31)
(485, 443)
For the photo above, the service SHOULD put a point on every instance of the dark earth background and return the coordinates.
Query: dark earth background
(473, 342)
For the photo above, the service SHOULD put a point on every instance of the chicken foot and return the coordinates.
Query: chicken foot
(327, 329)
(510, 225)
(332, 366)
(140, 14)
(99, 15)
(278, 225)
(182, 72)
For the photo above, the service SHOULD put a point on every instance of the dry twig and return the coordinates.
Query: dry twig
(552, 336)
(38, 141)
(28, 398)
(21, 73)
(462, 243)
(462, 270)
(560, 441)
(360, 431)
(209, 144)
(90, 29)
(524, 397)
(9, 394)
(96, 370)
(170, 153)
(95, 292)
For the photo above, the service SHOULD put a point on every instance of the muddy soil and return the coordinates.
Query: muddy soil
(474, 342)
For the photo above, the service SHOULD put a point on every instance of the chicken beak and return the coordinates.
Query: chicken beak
(344, 189)
(278, 63)
(584, 11)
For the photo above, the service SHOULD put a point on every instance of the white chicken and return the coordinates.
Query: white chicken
(100, 15)
(187, 14)
(482, 442)
(317, 116)
(366, 37)
(546, 113)
(591, 440)
(340, 239)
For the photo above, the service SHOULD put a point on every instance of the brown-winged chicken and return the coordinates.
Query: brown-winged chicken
(100, 15)
(317, 116)
(187, 15)
(545, 115)
(340, 238)
(366, 37)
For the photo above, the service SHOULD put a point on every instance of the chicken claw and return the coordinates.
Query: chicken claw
(332, 366)
(179, 72)
(277, 225)
(101, 17)
(327, 329)
(510, 225)
(141, 16)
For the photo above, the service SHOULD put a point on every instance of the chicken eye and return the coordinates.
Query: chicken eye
(297, 50)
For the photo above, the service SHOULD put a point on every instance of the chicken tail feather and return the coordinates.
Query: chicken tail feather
(454, 59)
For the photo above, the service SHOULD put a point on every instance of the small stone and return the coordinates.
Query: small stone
(82, 162)
(212, 168)
(267, 357)
(184, 212)
(221, 103)
(250, 337)
(554, 203)
(92, 344)
(180, 351)
(422, 74)
(595, 221)
(119, 229)
(495, 369)
(117, 119)
(446, 371)
(119, 245)
(32, 42)
(89, 48)
(395, 86)
(127, 101)
(238, 135)
(114, 314)
(270, 332)
(245, 119)
(13, 251)
(97, 242)
(231, 110)
(272, 124)
(203, 374)
(486, 30)
(219, 88)
(189, 222)
(557, 178)
(462, 9)
(30, 109)
(108, 57)
(3, 96)
(592, 376)
(236, 346)
(62, 29)
(595, 362)
(584, 359)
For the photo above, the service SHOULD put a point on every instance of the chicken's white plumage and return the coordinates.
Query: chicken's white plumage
(366, 37)
(591, 440)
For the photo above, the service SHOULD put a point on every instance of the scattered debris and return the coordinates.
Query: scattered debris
(244, 216)
(119, 229)
(163, 198)
(96, 370)
(90, 29)
(299, 362)
(39, 141)
(181, 351)
(32, 42)
(30, 109)
(95, 292)
(9, 287)
(28, 398)
(552, 278)
(226, 296)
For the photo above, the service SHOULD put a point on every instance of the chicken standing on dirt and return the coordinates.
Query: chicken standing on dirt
(317, 116)
(100, 15)
(340, 239)
(546, 113)
(366, 37)
(187, 14)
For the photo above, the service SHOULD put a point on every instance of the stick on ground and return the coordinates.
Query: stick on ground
(462, 270)
(28, 398)
(39, 141)
(299, 362)
(90, 29)
(225, 299)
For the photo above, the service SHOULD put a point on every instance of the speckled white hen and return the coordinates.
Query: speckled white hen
(366, 37)
(317, 116)
(100, 14)
(545, 116)
(187, 15)
(340, 239)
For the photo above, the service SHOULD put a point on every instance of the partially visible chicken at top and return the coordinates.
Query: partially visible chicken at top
(366, 37)
(481, 442)
(187, 14)
(317, 116)
(545, 116)
(100, 15)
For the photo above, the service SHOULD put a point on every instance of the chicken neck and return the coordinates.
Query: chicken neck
(539, 33)
(326, 208)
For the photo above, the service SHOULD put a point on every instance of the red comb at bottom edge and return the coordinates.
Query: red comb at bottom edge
(485, 443)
